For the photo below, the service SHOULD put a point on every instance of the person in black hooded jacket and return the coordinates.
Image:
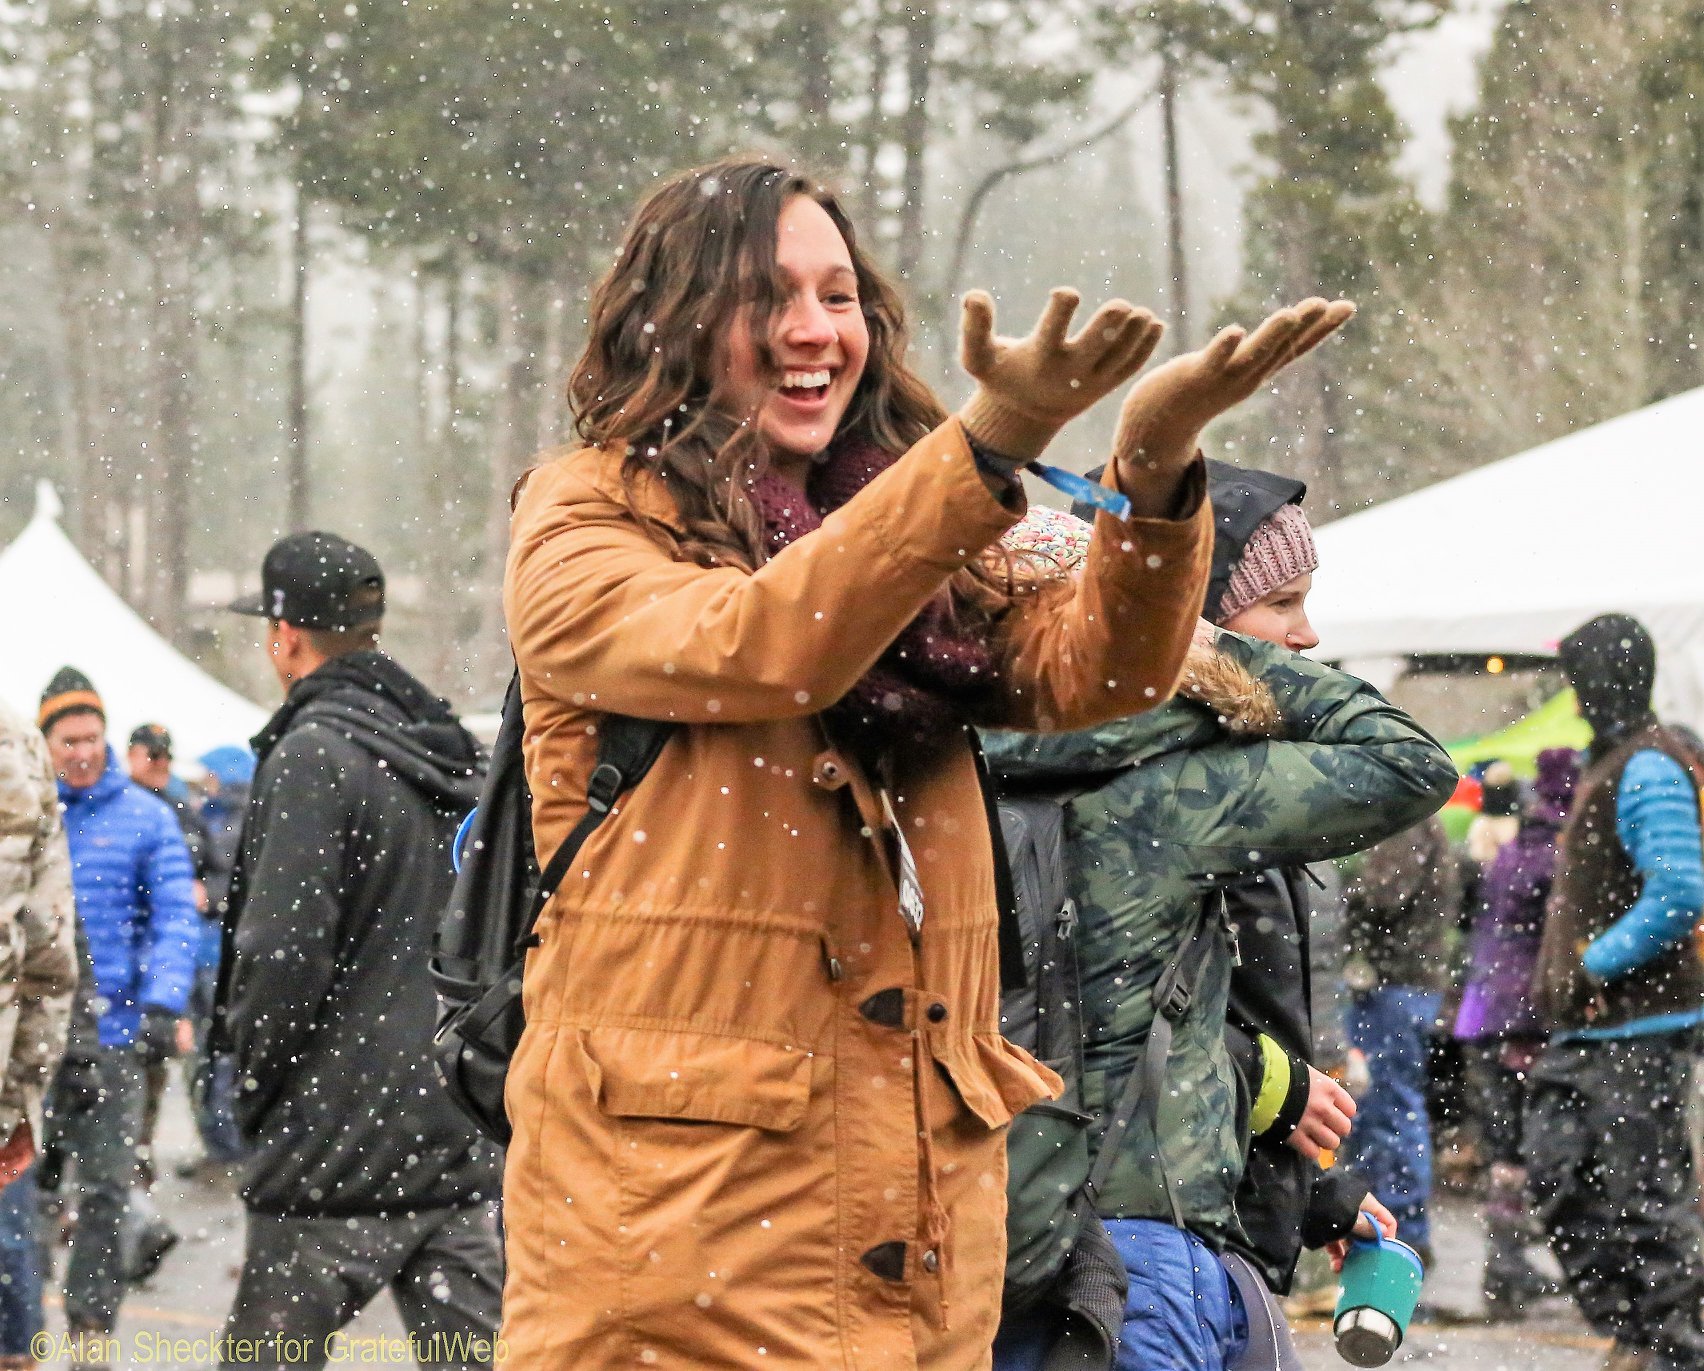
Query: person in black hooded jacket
(360, 1175)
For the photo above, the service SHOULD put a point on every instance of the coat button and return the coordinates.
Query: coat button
(937, 1012)
(931, 1262)
(829, 771)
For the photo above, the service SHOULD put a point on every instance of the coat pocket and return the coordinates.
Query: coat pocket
(690, 1076)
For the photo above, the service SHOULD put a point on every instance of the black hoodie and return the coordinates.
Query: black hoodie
(1611, 661)
(343, 868)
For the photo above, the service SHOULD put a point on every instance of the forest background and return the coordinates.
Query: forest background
(271, 265)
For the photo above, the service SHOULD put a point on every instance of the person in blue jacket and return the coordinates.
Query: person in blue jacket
(134, 889)
(1621, 987)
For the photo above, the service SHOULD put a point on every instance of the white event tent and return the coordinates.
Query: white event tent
(1508, 558)
(57, 611)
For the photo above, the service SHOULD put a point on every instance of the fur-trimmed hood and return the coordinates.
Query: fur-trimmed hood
(1196, 791)
(1244, 704)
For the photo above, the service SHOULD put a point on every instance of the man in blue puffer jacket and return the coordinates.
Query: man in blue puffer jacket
(135, 900)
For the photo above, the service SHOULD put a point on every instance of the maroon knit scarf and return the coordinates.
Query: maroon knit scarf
(922, 688)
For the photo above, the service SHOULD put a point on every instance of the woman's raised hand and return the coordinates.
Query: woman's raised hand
(1030, 388)
(1160, 426)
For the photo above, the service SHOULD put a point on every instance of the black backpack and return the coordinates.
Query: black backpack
(1058, 1252)
(499, 892)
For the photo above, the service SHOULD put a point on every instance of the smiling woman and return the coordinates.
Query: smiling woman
(758, 1108)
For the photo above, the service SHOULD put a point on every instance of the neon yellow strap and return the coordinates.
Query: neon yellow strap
(1274, 1085)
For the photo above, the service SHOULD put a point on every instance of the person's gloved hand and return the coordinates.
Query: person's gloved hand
(157, 1038)
(76, 1087)
(1030, 388)
(1159, 428)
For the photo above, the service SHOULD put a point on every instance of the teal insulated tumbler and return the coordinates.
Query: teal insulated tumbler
(1380, 1288)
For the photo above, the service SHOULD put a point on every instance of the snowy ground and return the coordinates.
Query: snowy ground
(171, 1321)
(187, 1300)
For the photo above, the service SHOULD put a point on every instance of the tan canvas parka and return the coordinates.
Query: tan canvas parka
(755, 1125)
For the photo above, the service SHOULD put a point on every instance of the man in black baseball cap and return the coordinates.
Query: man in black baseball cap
(360, 1175)
(151, 743)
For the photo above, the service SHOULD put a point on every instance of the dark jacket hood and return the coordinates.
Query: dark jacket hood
(1611, 661)
(441, 760)
(382, 709)
(1243, 500)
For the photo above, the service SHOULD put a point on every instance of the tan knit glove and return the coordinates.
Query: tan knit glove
(1159, 428)
(1030, 388)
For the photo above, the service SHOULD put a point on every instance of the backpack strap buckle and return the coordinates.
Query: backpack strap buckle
(602, 786)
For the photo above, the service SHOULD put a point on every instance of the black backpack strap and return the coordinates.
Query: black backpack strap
(627, 747)
(1012, 972)
(1140, 1098)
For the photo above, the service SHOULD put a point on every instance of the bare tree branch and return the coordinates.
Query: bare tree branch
(1033, 162)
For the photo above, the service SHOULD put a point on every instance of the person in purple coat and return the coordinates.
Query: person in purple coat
(1499, 1028)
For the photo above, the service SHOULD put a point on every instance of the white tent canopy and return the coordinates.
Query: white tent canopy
(1510, 557)
(58, 612)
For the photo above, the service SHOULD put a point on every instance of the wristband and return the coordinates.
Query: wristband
(1274, 1086)
(1079, 488)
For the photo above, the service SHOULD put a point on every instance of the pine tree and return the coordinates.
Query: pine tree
(1568, 280)
(132, 139)
(1332, 209)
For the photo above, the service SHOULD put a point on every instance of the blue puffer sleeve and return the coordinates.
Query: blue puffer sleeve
(173, 926)
(1656, 818)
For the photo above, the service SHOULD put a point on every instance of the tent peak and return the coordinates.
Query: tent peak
(48, 506)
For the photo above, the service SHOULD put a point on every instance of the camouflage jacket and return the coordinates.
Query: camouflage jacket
(1275, 761)
(38, 965)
